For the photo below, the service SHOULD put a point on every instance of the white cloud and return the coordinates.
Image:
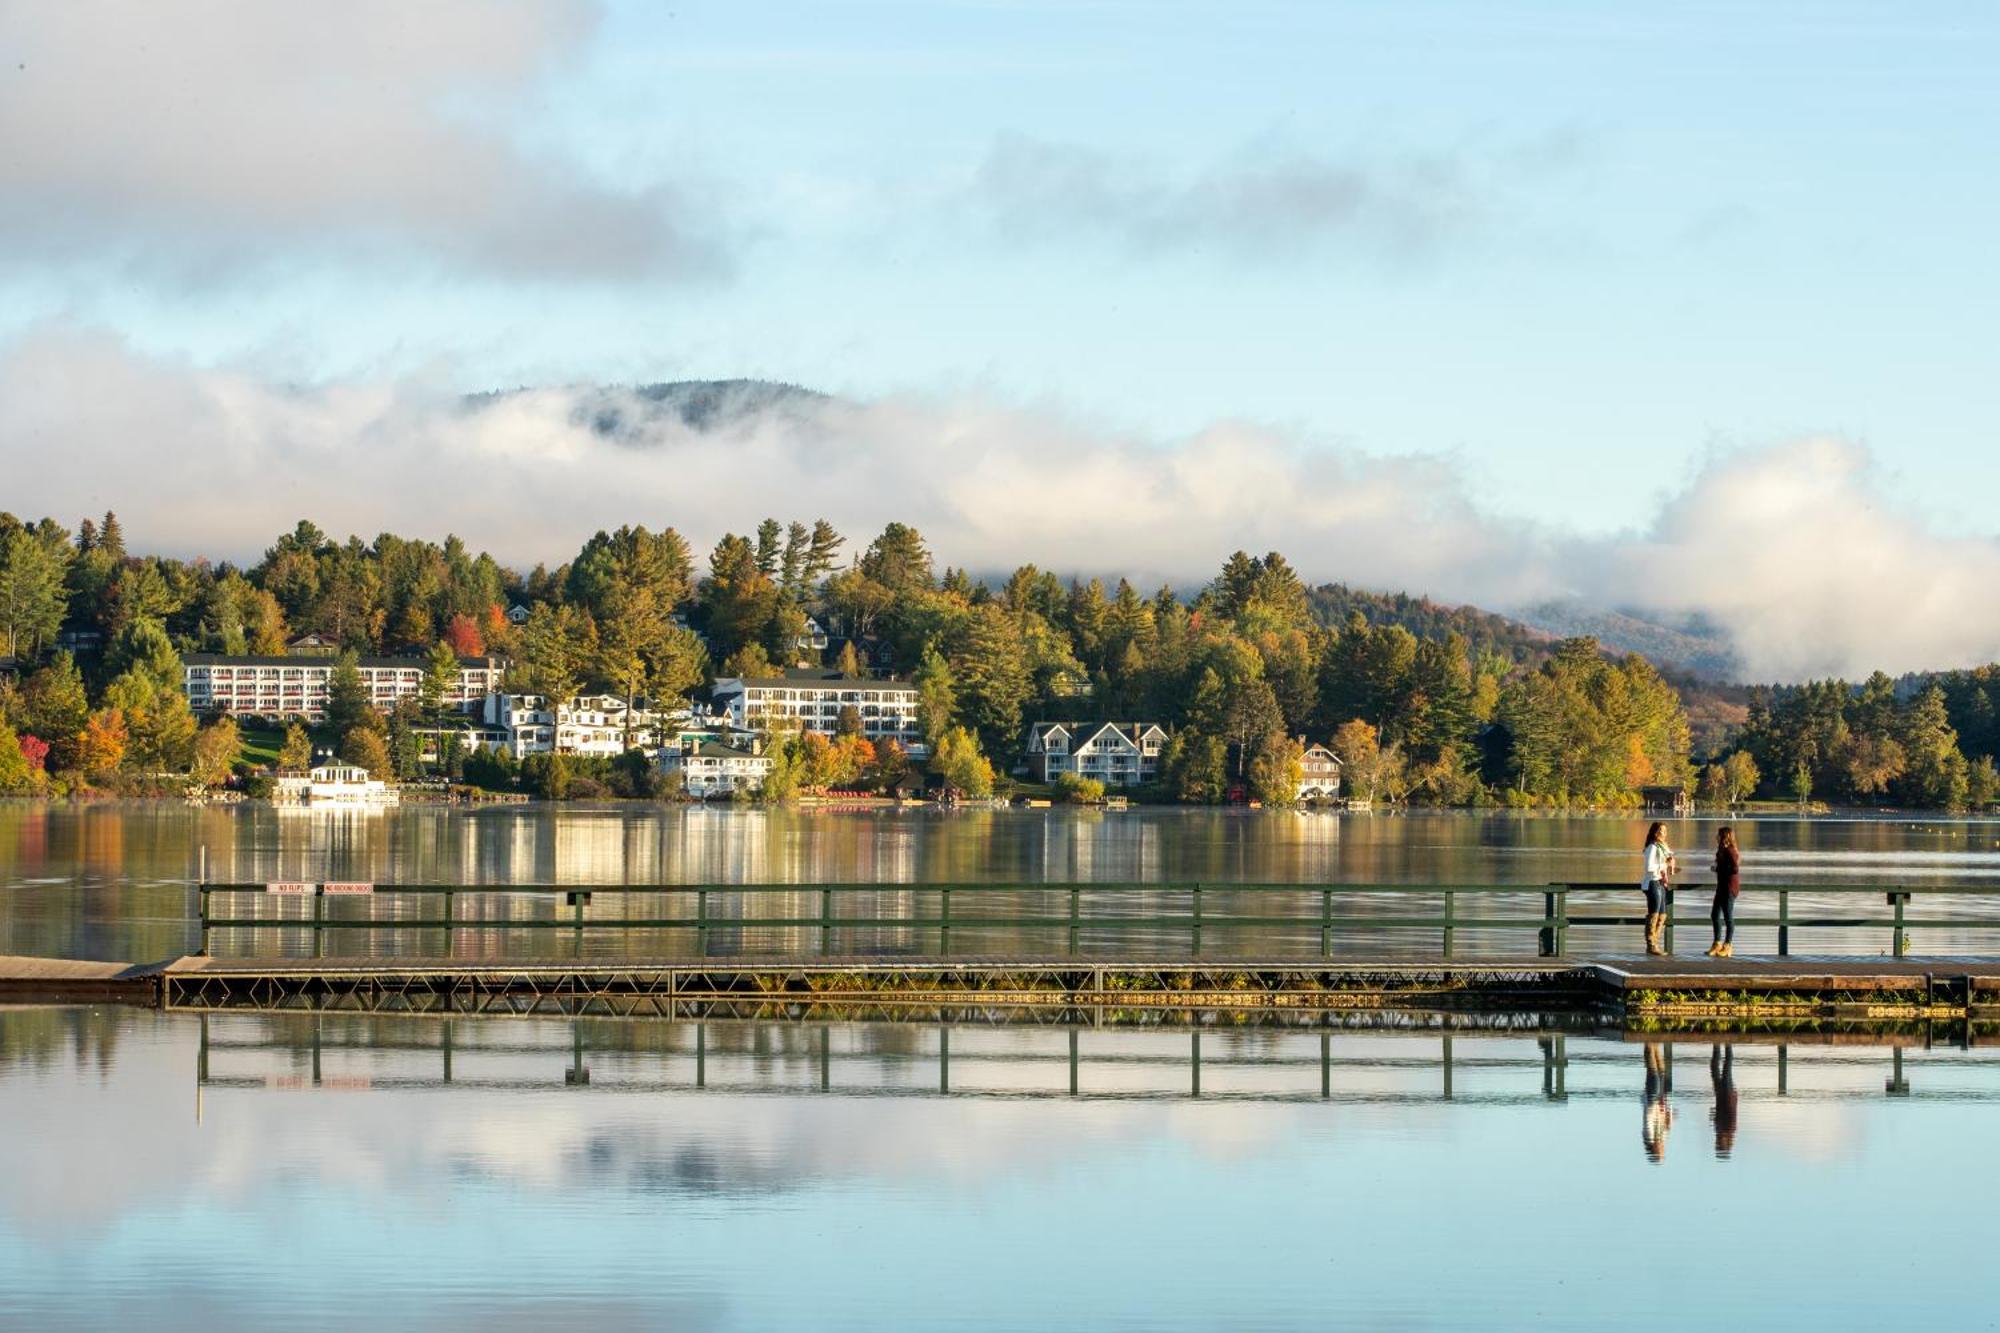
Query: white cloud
(1801, 552)
(193, 140)
(1793, 549)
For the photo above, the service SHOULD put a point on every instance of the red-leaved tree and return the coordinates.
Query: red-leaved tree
(464, 637)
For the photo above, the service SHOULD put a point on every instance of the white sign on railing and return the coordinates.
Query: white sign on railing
(294, 888)
(347, 887)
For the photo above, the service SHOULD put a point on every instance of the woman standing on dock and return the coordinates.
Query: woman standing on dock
(1728, 880)
(1659, 871)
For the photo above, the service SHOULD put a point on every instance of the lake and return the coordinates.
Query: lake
(302, 1172)
(112, 880)
(1190, 1171)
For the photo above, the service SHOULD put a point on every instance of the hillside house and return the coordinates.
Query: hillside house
(1118, 754)
(1322, 775)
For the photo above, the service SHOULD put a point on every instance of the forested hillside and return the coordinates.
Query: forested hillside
(1423, 702)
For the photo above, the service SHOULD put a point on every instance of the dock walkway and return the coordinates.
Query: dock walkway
(1940, 986)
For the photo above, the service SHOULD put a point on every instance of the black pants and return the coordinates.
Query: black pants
(1722, 916)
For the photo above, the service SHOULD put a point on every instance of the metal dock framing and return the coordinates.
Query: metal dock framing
(1656, 989)
(663, 987)
(1660, 987)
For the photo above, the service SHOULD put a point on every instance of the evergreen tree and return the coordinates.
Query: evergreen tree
(990, 672)
(1193, 765)
(348, 704)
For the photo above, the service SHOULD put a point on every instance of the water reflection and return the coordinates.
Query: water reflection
(113, 880)
(308, 1170)
(1722, 1075)
(1658, 1118)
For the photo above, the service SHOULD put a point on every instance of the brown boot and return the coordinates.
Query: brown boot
(1655, 924)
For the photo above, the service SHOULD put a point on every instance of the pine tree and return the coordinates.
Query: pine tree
(991, 673)
(348, 706)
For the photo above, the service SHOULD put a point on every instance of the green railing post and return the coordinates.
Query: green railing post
(318, 919)
(1545, 938)
(205, 909)
(1197, 920)
(1900, 945)
(1075, 911)
(1326, 923)
(826, 921)
(1448, 932)
(447, 923)
(1784, 922)
(944, 920)
(1668, 933)
(701, 922)
(1562, 922)
(576, 899)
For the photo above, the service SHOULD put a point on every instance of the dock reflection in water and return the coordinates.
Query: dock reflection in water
(307, 1170)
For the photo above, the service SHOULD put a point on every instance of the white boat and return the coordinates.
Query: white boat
(335, 784)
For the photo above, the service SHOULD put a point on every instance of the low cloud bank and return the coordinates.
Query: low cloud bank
(1790, 549)
(194, 142)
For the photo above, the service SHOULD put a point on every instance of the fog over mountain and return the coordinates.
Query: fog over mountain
(1789, 556)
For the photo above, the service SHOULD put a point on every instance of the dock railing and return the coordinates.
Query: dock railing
(1196, 911)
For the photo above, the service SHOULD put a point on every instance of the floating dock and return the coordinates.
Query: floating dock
(1948, 987)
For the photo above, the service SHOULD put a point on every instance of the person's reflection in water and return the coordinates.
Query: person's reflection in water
(1722, 1073)
(1659, 1114)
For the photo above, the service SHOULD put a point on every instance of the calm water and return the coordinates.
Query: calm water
(736, 1175)
(111, 881)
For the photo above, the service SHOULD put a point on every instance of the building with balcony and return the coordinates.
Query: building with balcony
(1322, 774)
(287, 687)
(710, 769)
(1117, 754)
(589, 724)
(812, 700)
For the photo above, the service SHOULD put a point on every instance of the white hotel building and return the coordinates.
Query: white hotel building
(589, 724)
(281, 687)
(812, 700)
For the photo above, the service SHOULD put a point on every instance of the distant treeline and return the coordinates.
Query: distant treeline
(1423, 702)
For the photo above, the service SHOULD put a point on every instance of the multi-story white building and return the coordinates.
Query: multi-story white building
(589, 724)
(1117, 754)
(812, 700)
(710, 769)
(1322, 774)
(280, 687)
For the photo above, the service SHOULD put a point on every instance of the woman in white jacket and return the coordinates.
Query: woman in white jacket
(1658, 874)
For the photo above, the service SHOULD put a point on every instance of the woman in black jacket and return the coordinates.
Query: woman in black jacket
(1728, 873)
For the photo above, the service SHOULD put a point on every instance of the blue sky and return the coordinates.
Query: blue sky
(1578, 256)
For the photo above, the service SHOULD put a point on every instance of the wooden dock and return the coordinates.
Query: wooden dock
(25, 979)
(1635, 985)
